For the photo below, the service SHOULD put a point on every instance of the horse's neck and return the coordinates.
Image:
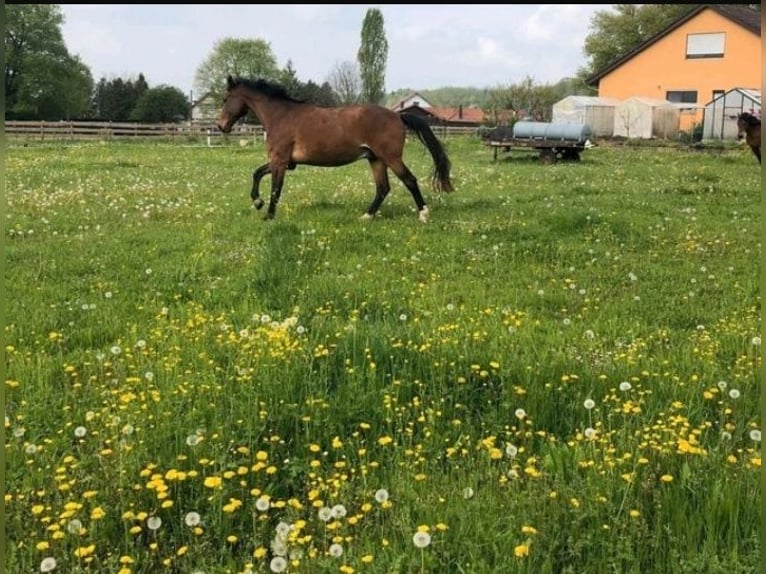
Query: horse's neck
(269, 110)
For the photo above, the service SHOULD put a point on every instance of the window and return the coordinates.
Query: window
(682, 97)
(705, 45)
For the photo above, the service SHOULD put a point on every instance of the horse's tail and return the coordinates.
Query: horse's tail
(442, 164)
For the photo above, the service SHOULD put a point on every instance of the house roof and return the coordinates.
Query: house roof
(738, 13)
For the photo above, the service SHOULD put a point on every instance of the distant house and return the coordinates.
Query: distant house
(709, 50)
(413, 99)
(206, 108)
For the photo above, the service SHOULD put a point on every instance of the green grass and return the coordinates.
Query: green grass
(170, 352)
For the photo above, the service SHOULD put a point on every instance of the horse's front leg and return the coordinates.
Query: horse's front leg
(257, 177)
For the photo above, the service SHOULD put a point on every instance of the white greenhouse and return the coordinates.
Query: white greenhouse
(597, 112)
(720, 120)
(643, 117)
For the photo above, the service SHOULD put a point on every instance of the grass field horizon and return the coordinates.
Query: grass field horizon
(558, 373)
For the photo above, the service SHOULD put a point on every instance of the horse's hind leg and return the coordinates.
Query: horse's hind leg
(411, 183)
(757, 152)
(382, 187)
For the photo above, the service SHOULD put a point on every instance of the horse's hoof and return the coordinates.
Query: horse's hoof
(367, 216)
(258, 203)
(423, 215)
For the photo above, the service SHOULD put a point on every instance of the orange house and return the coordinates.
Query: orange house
(708, 51)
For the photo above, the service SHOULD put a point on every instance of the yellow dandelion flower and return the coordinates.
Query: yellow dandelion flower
(42, 545)
(521, 550)
(367, 559)
(528, 530)
(634, 513)
(213, 481)
(666, 478)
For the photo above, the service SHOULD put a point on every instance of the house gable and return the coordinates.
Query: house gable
(740, 15)
(710, 50)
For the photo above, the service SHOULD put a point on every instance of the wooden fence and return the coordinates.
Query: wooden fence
(16, 131)
(107, 131)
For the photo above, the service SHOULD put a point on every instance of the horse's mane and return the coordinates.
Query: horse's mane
(750, 119)
(267, 88)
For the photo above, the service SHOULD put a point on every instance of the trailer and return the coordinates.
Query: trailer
(553, 141)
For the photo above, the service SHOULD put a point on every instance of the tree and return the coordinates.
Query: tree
(236, 57)
(42, 80)
(372, 57)
(161, 104)
(115, 99)
(615, 33)
(346, 83)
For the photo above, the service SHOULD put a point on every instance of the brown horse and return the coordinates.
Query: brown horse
(749, 127)
(300, 133)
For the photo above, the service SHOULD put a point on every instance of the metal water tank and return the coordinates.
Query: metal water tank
(552, 131)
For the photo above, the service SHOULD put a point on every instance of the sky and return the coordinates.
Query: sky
(429, 47)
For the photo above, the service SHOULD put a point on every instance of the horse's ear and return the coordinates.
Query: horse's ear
(229, 81)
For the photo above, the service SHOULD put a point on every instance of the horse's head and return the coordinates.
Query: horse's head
(234, 106)
(746, 121)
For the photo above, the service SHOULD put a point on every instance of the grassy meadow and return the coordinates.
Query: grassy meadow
(558, 373)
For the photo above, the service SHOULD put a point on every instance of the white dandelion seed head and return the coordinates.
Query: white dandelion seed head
(278, 564)
(421, 539)
(589, 432)
(141, 344)
(296, 553)
(632, 276)
(755, 435)
(338, 511)
(725, 435)
(48, 564)
(262, 504)
(19, 432)
(154, 523)
(31, 449)
(566, 321)
(300, 329)
(468, 492)
(589, 334)
(282, 529)
(625, 386)
(734, 394)
(128, 429)
(722, 385)
(520, 413)
(756, 341)
(192, 519)
(279, 547)
(325, 514)
(589, 404)
(149, 376)
(192, 440)
(148, 271)
(511, 450)
(381, 495)
(108, 294)
(450, 307)
(335, 550)
(513, 474)
(402, 317)
(265, 319)
(541, 292)
(74, 526)
(115, 350)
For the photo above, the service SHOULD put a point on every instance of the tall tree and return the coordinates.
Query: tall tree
(346, 83)
(161, 104)
(372, 57)
(238, 57)
(616, 30)
(115, 99)
(42, 80)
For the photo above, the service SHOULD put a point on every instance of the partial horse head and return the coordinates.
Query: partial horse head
(234, 106)
(746, 121)
(749, 129)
